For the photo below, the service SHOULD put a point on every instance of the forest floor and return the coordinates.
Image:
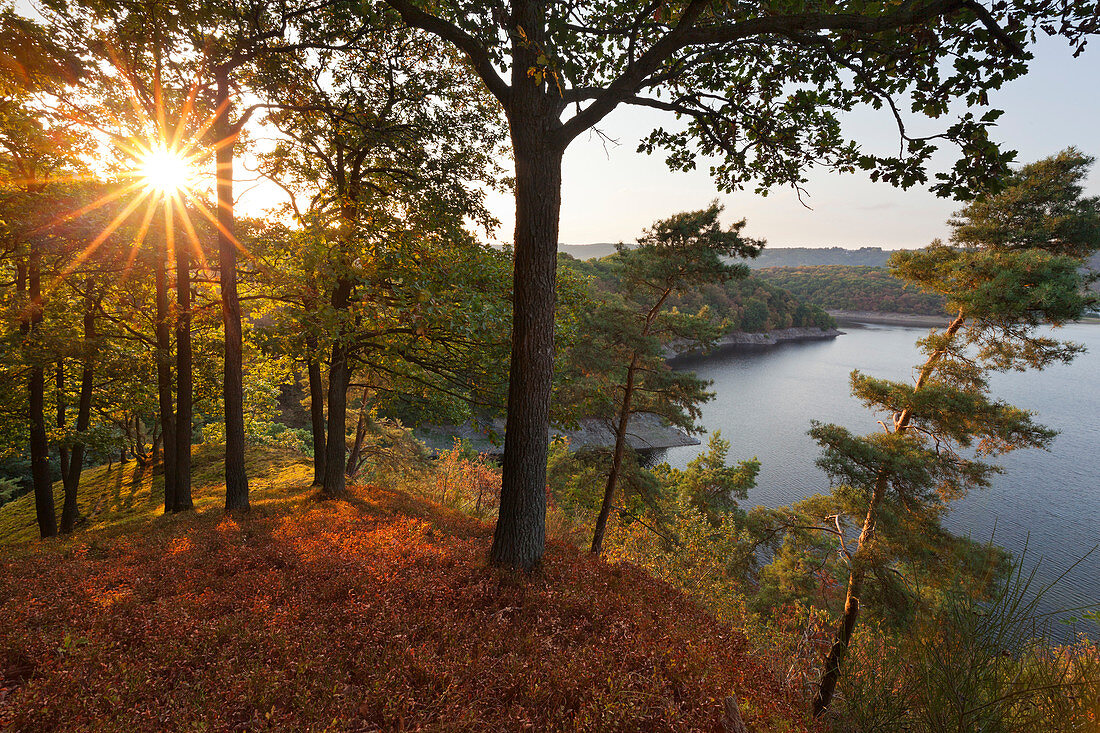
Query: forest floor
(380, 613)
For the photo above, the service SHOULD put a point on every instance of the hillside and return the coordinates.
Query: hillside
(850, 288)
(750, 304)
(376, 614)
(770, 257)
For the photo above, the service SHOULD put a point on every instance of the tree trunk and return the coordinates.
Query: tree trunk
(70, 513)
(833, 660)
(335, 483)
(36, 388)
(184, 388)
(316, 413)
(617, 457)
(520, 536)
(164, 381)
(360, 434)
(236, 481)
(831, 674)
(59, 395)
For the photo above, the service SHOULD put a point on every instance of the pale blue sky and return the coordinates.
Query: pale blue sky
(610, 196)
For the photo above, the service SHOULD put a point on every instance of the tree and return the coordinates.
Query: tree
(624, 359)
(391, 156)
(760, 84)
(35, 149)
(1018, 268)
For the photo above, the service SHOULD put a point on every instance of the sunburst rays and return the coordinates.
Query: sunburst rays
(165, 167)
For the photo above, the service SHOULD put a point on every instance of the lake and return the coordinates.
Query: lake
(1048, 501)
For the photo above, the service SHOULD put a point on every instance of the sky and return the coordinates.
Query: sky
(610, 193)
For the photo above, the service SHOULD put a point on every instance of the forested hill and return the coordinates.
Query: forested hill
(770, 257)
(751, 304)
(852, 288)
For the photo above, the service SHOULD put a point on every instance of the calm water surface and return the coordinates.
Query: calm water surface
(1050, 501)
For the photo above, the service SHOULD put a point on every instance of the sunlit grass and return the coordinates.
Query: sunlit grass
(118, 496)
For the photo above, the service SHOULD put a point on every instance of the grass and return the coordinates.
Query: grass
(379, 613)
(126, 494)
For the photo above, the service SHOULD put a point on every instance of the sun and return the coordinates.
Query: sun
(166, 171)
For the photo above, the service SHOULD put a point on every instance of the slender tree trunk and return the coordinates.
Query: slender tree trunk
(70, 513)
(856, 576)
(59, 395)
(236, 481)
(184, 388)
(617, 457)
(164, 382)
(520, 536)
(360, 434)
(36, 388)
(316, 413)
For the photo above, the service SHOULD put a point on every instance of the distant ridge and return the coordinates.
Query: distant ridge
(785, 256)
(770, 257)
(587, 251)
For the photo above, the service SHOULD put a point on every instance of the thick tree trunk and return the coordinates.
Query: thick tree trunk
(520, 536)
(335, 483)
(833, 660)
(184, 388)
(36, 388)
(616, 459)
(164, 381)
(236, 481)
(316, 413)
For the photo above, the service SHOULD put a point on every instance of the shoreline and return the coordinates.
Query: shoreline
(915, 320)
(743, 339)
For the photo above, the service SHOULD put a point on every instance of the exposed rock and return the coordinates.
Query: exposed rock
(764, 338)
(647, 432)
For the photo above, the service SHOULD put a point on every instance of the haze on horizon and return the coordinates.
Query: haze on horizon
(610, 192)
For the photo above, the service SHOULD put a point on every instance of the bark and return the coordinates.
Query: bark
(360, 434)
(621, 428)
(731, 716)
(617, 458)
(59, 394)
(520, 536)
(236, 481)
(36, 388)
(335, 483)
(184, 379)
(316, 413)
(164, 383)
(70, 513)
(856, 577)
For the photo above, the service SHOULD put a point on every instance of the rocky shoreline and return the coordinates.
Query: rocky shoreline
(647, 432)
(765, 338)
(917, 320)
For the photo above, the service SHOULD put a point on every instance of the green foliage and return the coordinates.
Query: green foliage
(854, 288)
(726, 301)
(1041, 207)
(900, 480)
(576, 479)
(708, 483)
(973, 665)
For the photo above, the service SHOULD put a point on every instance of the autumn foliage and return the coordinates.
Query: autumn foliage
(377, 614)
